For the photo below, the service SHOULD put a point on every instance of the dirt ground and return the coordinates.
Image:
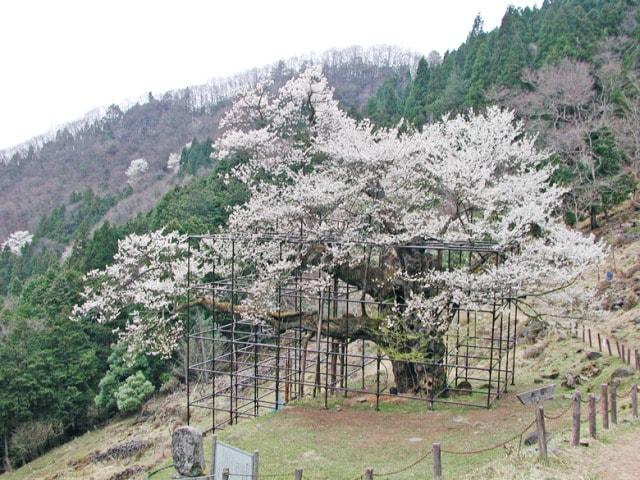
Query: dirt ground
(621, 462)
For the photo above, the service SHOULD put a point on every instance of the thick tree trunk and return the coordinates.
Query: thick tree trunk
(426, 375)
(411, 377)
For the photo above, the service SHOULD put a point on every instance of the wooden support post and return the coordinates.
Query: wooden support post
(599, 342)
(256, 466)
(604, 405)
(623, 356)
(637, 360)
(225, 474)
(634, 400)
(575, 430)
(437, 461)
(542, 434)
(608, 343)
(583, 339)
(618, 347)
(628, 356)
(592, 415)
(590, 341)
(298, 474)
(613, 403)
(369, 474)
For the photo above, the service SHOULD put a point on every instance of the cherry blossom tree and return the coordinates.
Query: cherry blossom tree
(314, 171)
(136, 168)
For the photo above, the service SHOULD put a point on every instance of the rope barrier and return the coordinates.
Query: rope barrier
(486, 449)
(555, 417)
(404, 469)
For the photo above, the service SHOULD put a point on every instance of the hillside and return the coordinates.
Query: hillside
(42, 174)
(341, 442)
(58, 377)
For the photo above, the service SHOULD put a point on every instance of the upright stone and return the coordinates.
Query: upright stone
(188, 451)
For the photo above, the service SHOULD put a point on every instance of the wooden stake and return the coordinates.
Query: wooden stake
(592, 415)
(623, 356)
(613, 403)
(590, 342)
(575, 430)
(618, 347)
(604, 405)
(583, 339)
(542, 434)
(634, 400)
(437, 462)
(256, 465)
(298, 474)
(608, 343)
(599, 342)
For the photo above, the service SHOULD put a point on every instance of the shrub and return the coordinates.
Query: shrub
(131, 395)
(31, 439)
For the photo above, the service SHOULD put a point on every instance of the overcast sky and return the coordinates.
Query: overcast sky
(62, 58)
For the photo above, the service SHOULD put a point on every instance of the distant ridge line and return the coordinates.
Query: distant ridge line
(218, 89)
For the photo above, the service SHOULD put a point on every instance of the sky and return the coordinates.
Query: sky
(60, 59)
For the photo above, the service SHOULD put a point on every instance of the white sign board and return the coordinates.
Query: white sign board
(536, 396)
(237, 461)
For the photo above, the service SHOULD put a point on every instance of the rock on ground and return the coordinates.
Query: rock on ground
(188, 451)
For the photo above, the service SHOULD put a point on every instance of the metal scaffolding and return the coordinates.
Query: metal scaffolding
(238, 367)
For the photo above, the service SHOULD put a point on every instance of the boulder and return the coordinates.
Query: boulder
(188, 451)
(621, 372)
(571, 381)
(552, 375)
(532, 438)
(593, 355)
(464, 388)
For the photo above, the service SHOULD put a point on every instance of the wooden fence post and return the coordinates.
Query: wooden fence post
(298, 474)
(583, 339)
(256, 465)
(369, 474)
(613, 403)
(608, 344)
(592, 415)
(590, 341)
(604, 405)
(618, 347)
(637, 360)
(575, 430)
(437, 462)
(634, 400)
(629, 356)
(542, 434)
(225, 474)
(623, 356)
(599, 342)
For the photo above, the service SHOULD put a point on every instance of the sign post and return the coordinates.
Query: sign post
(236, 461)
